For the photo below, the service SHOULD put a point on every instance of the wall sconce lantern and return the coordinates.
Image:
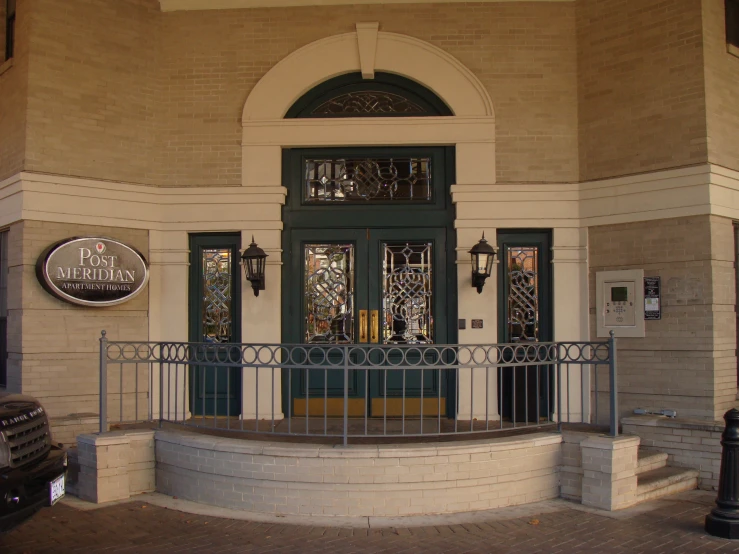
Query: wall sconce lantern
(482, 263)
(254, 260)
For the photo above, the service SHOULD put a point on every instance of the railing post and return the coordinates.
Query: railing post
(558, 371)
(161, 391)
(613, 384)
(346, 394)
(103, 383)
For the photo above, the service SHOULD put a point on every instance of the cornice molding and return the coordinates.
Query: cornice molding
(192, 5)
(699, 190)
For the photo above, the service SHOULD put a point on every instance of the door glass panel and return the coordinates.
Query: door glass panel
(329, 293)
(352, 180)
(523, 293)
(367, 102)
(217, 312)
(407, 296)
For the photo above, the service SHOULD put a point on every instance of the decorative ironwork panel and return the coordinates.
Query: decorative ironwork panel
(217, 308)
(523, 293)
(407, 294)
(367, 102)
(329, 293)
(368, 180)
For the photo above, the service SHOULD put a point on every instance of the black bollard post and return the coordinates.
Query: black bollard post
(723, 521)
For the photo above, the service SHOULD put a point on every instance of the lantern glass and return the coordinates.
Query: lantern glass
(482, 263)
(482, 257)
(254, 260)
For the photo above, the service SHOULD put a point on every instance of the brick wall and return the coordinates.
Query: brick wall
(723, 326)
(59, 341)
(93, 94)
(13, 95)
(640, 86)
(722, 84)
(524, 55)
(686, 361)
(121, 91)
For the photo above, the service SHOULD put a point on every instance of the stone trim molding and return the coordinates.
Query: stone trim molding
(367, 46)
(190, 5)
(43, 197)
(323, 59)
(699, 190)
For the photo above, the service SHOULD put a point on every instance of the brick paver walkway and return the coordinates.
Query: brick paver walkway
(676, 526)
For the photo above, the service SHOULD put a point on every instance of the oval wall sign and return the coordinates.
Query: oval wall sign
(92, 271)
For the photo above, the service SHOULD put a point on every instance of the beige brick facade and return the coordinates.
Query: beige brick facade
(14, 95)
(721, 70)
(640, 86)
(54, 345)
(686, 361)
(611, 123)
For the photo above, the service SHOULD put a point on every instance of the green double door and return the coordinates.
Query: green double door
(371, 286)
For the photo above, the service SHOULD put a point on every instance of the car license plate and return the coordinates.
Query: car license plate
(56, 489)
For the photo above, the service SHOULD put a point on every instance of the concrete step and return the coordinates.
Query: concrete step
(662, 481)
(649, 460)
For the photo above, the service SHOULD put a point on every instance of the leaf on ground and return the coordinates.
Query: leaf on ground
(534, 522)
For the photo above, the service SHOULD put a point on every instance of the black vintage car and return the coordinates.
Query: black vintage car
(32, 469)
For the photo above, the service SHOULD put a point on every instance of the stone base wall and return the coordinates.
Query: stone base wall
(571, 472)
(361, 480)
(115, 465)
(688, 443)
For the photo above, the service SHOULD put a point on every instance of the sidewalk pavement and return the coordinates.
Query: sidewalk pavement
(154, 523)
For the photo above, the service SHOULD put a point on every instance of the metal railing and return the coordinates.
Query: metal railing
(358, 391)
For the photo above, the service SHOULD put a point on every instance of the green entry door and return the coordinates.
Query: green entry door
(215, 318)
(374, 286)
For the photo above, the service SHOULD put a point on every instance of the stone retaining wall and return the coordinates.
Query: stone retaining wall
(689, 443)
(358, 480)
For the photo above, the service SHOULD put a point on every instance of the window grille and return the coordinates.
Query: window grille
(352, 180)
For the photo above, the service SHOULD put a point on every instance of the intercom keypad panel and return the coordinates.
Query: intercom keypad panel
(620, 303)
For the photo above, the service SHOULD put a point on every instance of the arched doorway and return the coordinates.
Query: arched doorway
(462, 135)
(369, 236)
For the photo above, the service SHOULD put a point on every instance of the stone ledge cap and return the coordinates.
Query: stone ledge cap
(307, 450)
(106, 439)
(674, 422)
(604, 442)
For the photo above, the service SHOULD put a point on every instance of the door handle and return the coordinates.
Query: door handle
(362, 325)
(375, 326)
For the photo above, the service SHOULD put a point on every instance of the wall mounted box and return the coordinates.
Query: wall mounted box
(619, 302)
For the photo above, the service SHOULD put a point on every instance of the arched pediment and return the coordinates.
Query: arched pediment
(403, 55)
